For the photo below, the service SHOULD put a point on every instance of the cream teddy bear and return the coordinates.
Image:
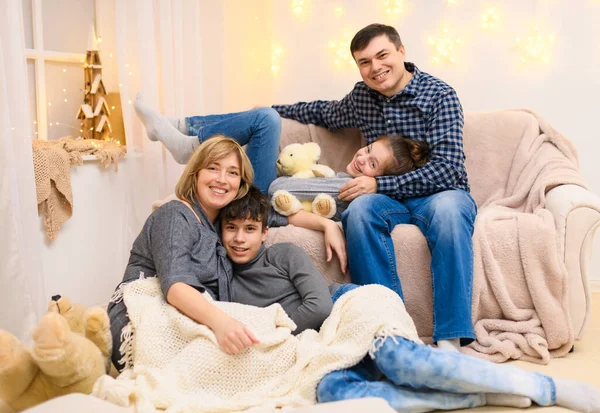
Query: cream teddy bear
(300, 161)
(71, 350)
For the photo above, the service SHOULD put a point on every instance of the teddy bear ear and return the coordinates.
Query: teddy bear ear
(59, 304)
(313, 149)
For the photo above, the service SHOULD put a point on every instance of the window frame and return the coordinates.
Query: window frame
(40, 56)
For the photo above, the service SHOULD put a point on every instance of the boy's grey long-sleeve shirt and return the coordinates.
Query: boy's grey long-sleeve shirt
(284, 274)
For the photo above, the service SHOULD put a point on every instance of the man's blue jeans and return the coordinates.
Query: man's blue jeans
(260, 129)
(421, 378)
(446, 219)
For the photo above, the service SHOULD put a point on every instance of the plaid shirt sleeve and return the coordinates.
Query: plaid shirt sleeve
(332, 114)
(446, 167)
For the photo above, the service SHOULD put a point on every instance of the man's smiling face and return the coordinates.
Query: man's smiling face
(381, 66)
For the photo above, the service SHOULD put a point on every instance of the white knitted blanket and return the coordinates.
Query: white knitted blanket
(179, 367)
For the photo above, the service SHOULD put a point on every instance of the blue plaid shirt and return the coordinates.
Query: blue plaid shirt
(426, 109)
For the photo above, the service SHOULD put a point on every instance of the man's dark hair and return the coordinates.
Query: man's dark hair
(254, 205)
(365, 35)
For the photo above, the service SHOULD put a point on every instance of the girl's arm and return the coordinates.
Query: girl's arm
(232, 335)
(332, 233)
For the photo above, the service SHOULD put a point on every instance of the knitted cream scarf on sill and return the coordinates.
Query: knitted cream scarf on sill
(179, 366)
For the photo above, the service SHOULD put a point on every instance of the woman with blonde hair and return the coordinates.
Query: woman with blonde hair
(179, 244)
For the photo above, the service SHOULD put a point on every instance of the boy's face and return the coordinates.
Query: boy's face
(242, 239)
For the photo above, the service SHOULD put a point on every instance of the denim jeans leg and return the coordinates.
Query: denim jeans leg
(341, 290)
(446, 219)
(362, 381)
(260, 129)
(368, 223)
(409, 364)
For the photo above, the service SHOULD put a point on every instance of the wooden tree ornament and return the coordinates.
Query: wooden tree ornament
(94, 112)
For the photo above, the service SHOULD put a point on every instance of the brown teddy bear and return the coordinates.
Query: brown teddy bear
(72, 347)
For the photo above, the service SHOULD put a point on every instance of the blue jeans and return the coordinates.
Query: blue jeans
(446, 219)
(421, 378)
(260, 129)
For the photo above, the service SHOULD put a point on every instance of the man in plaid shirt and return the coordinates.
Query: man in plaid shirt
(395, 97)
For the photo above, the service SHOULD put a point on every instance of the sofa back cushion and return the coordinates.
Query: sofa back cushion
(490, 142)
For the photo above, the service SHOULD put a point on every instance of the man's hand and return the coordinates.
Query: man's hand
(358, 186)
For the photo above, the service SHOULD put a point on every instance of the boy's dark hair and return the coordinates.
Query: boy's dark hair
(366, 34)
(409, 154)
(254, 205)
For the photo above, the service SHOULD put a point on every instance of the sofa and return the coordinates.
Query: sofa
(494, 143)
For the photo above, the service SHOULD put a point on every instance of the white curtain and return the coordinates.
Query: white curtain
(21, 280)
(158, 53)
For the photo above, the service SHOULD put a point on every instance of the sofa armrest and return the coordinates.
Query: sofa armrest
(576, 213)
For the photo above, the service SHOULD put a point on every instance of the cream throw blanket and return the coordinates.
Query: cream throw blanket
(180, 367)
(520, 298)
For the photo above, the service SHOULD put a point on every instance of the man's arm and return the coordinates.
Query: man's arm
(316, 299)
(332, 114)
(446, 167)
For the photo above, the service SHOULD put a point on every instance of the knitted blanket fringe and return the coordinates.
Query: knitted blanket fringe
(179, 367)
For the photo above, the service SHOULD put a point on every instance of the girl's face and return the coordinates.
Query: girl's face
(370, 160)
(218, 184)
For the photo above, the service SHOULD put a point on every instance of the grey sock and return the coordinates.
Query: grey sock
(578, 396)
(452, 344)
(158, 127)
(179, 123)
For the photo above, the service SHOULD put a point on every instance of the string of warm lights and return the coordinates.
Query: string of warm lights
(489, 19)
(275, 58)
(536, 46)
(443, 47)
(393, 7)
(298, 6)
(341, 51)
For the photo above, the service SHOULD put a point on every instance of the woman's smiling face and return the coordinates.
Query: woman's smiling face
(218, 183)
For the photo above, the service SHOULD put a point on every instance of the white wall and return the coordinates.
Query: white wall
(487, 74)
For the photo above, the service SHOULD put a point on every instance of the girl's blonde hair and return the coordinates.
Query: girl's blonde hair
(212, 150)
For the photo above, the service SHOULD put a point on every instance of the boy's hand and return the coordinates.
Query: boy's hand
(233, 336)
(358, 186)
(335, 241)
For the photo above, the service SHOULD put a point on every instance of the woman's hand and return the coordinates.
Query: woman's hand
(232, 335)
(335, 241)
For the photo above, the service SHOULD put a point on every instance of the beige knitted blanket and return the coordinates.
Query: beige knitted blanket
(520, 297)
(52, 161)
(179, 367)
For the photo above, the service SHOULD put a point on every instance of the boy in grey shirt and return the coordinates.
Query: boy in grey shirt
(282, 273)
